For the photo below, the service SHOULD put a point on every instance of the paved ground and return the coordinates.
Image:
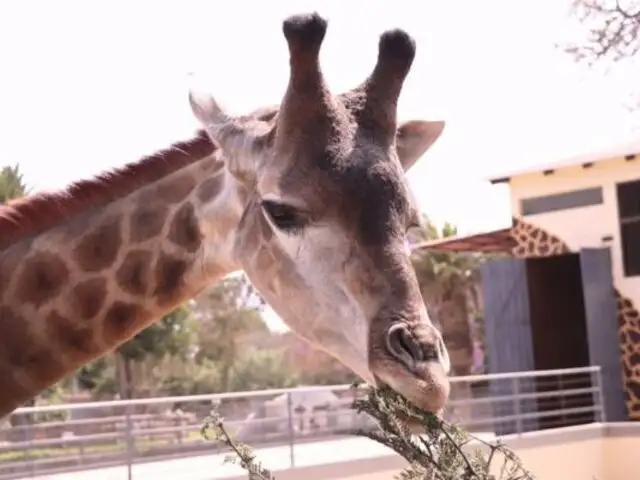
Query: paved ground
(210, 467)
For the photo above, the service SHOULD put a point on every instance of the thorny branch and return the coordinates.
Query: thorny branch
(441, 453)
(215, 424)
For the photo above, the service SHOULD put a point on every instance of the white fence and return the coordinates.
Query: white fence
(44, 440)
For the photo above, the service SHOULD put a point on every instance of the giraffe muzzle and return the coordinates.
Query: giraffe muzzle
(413, 349)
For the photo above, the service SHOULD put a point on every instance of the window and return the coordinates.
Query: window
(561, 201)
(629, 214)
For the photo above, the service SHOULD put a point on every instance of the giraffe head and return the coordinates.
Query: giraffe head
(323, 233)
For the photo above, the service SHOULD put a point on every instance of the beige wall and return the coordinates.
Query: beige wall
(582, 227)
(586, 452)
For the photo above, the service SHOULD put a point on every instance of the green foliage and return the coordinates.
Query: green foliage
(11, 184)
(187, 378)
(171, 335)
(90, 376)
(443, 452)
(443, 271)
(50, 396)
(258, 369)
(449, 283)
(225, 320)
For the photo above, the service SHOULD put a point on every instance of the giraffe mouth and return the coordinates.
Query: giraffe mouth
(414, 363)
(426, 387)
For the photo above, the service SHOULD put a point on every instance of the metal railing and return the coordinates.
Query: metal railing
(44, 440)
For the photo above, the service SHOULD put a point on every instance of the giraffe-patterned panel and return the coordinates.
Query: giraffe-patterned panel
(533, 241)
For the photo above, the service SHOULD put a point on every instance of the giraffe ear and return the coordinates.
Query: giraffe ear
(414, 138)
(207, 110)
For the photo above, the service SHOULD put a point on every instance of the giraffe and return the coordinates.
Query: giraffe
(533, 241)
(309, 198)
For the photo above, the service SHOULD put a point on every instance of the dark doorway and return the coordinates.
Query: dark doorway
(559, 337)
(551, 313)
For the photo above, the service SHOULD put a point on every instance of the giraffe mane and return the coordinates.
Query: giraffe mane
(34, 214)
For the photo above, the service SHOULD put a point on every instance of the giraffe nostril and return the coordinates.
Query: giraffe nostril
(443, 355)
(403, 345)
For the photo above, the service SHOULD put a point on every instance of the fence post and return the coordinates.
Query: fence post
(291, 429)
(602, 400)
(128, 429)
(516, 406)
(30, 434)
(130, 441)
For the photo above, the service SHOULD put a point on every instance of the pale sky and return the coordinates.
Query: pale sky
(90, 85)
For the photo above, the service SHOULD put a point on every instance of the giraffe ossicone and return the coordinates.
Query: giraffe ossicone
(309, 198)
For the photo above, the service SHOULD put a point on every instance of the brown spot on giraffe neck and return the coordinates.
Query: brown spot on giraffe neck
(88, 297)
(42, 277)
(147, 221)
(122, 321)
(185, 229)
(99, 248)
(169, 274)
(16, 335)
(210, 188)
(133, 274)
(22, 351)
(10, 260)
(76, 341)
(176, 188)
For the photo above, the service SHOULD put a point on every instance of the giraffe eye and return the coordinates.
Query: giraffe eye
(285, 217)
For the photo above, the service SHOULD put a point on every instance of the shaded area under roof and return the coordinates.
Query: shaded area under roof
(497, 241)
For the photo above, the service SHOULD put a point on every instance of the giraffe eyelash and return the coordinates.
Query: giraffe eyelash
(283, 216)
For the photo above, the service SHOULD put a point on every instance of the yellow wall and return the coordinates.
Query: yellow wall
(582, 227)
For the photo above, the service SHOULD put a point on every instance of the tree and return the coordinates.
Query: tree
(226, 319)
(259, 369)
(90, 377)
(448, 282)
(449, 285)
(171, 335)
(11, 184)
(613, 30)
(610, 40)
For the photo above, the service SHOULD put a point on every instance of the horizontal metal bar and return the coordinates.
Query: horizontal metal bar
(93, 421)
(527, 374)
(54, 442)
(39, 464)
(544, 414)
(141, 433)
(524, 396)
(278, 392)
(528, 416)
(155, 434)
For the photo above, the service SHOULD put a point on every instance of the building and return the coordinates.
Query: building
(567, 292)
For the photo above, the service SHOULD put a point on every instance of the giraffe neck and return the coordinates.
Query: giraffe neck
(79, 290)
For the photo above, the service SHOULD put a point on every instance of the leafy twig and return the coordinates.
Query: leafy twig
(215, 424)
(437, 454)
